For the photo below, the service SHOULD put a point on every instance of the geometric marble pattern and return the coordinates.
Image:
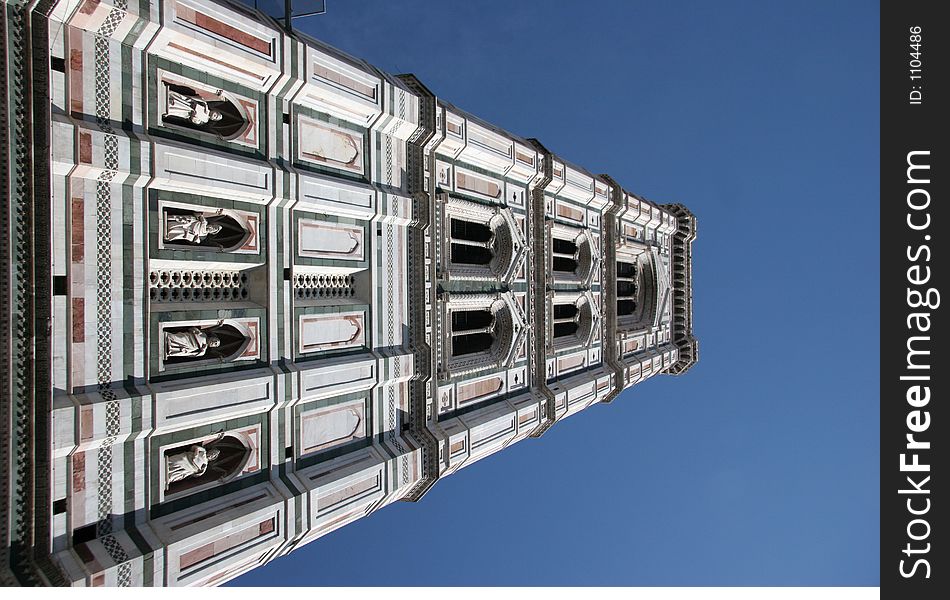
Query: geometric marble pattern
(104, 457)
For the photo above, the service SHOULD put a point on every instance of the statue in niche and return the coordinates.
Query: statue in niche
(210, 113)
(193, 462)
(217, 459)
(222, 229)
(218, 342)
(190, 343)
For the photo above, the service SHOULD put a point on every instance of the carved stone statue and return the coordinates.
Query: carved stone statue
(192, 228)
(221, 230)
(211, 113)
(189, 343)
(219, 458)
(193, 462)
(190, 108)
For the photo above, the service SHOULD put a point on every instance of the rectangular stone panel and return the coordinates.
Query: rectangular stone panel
(485, 139)
(325, 145)
(568, 212)
(570, 363)
(350, 83)
(336, 379)
(581, 392)
(207, 170)
(214, 25)
(492, 431)
(319, 239)
(350, 493)
(218, 400)
(331, 332)
(332, 426)
(472, 183)
(475, 390)
(336, 196)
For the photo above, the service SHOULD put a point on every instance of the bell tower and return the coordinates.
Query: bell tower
(285, 289)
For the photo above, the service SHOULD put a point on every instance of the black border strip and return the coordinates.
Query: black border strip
(913, 270)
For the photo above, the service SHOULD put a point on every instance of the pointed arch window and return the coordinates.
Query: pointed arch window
(626, 288)
(480, 331)
(566, 320)
(565, 256)
(571, 321)
(472, 331)
(471, 242)
(573, 255)
(479, 242)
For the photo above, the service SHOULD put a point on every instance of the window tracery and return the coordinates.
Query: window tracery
(481, 242)
(636, 288)
(626, 288)
(482, 331)
(572, 320)
(573, 255)
(318, 286)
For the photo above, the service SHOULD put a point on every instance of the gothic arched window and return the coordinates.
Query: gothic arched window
(625, 306)
(479, 331)
(467, 230)
(572, 321)
(565, 255)
(573, 256)
(472, 331)
(479, 241)
(626, 270)
(566, 318)
(626, 288)
(471, 242)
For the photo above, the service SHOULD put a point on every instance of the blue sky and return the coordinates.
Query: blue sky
(760, 465)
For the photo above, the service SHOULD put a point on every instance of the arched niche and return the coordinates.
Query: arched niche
(220, 230)
(203, 463)
(184, 344)
(219, 114)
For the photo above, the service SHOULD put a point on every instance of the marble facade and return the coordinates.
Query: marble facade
(256, 248)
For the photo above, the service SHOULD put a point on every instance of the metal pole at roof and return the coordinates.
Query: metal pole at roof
(289, 15)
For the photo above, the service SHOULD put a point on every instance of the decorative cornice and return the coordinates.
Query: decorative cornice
(538, 305)
(682, 268)
(416, 258)
(25, 296)
(610, 286)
